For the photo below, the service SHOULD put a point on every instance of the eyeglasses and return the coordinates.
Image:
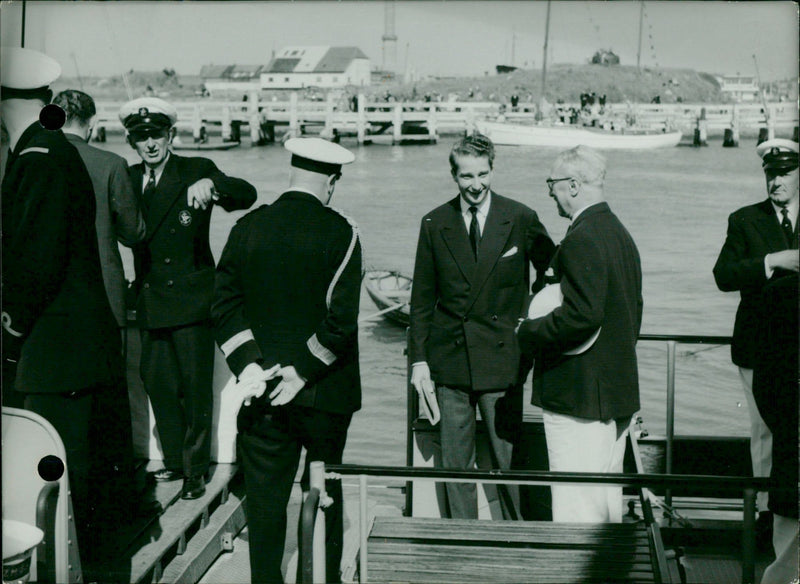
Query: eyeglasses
(142, 135)
(551, 181)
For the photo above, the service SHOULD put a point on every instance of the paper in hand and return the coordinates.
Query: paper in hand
(428, 403)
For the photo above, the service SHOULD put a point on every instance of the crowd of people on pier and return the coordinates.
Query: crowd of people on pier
(494, 299)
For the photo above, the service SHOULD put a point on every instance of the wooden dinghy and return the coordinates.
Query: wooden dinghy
(391, 292)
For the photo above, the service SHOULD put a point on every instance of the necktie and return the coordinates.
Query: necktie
(149, 188)
(474, 231)
(786, 226)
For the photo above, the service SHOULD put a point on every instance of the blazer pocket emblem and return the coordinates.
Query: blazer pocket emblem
(510, 252)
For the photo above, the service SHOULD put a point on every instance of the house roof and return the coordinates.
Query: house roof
(314, 59)
(214, 71)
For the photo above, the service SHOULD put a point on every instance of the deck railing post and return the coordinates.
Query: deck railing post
(671, 346)
(362, 528)
(411, 414)
(397, 123)
(317, 481)
(361, 120)
(749, 537)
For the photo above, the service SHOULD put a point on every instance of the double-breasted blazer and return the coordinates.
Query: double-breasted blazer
(174, 265)
(599, 270)
(119, 218)
(463, 311)
(287, 291)
(53, 294)
(753, 232)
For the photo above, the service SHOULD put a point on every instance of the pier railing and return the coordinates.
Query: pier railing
(314, 524)
(431, 118)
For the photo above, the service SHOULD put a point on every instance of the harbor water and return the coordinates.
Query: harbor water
(675, 203)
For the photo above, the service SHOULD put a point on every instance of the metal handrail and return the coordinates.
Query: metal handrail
(748, 486)
(308, 519)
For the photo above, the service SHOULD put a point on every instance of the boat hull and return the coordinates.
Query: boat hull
(387, 289)
(568, 137)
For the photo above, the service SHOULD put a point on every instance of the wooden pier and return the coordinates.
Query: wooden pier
(403, 122)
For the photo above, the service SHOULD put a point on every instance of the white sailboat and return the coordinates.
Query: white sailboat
(568, 136)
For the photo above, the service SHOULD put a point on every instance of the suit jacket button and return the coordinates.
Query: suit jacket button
(501, 344)
(170, 283)
(167, 260)
(466, 319)
(172, 230)
(458, 342)
(494, 317)
(146, 285)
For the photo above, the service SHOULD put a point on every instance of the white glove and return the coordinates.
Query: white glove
(252, 382)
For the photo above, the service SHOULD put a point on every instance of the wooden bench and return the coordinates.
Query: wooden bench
(416, 549)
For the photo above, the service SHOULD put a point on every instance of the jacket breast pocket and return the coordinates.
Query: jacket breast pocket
(509, 271)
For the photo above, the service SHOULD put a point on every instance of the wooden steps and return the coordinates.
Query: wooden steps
(404, 549)
(180, 544)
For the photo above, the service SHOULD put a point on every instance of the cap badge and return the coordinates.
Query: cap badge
(185, 218)
(775, 151)
(143, 111)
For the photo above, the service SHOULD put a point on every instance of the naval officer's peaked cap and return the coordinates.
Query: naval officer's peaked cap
(25, 73)
(778, 154)
(318, 155)
(147, 112)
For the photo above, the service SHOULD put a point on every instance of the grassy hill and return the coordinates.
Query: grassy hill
(564, 82)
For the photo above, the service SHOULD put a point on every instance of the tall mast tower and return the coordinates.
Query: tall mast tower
(389, 38)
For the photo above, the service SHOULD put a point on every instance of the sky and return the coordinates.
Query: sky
(434, 37)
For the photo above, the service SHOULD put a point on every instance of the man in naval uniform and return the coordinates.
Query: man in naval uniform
(287, 294)
(761, 246)
(175, 284)
(61, 347)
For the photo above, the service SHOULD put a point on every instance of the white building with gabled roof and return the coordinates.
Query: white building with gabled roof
(298, 67)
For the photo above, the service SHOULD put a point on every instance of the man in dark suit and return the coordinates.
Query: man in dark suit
(287, 294)
(61, 346)
(761, 245)
(471, 279)
(588, 398)
(175, 283)
(119, 217)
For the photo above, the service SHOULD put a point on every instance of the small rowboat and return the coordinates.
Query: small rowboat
(391, 293)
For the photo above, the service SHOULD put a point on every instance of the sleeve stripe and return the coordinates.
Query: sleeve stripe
(339, 271)
(237, 341)
(320, 351)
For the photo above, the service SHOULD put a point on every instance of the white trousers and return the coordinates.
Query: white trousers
(784, 539)
(760, 437)
(580, 445)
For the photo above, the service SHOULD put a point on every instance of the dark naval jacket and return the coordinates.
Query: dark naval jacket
(753, 232)
(287, 291)
(174, 266)
(53, 295)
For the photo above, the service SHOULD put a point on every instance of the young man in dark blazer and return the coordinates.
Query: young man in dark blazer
(588, 397)
(175, 284)
(761, 245)
(287, 294)
(471, 280)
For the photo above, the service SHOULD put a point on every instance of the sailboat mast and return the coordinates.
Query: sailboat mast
(22, 37)
(544, 55)
(639, 50)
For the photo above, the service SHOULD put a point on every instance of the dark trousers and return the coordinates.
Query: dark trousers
(95, 427)
(177, 368)
(269, 447)
(457, 435)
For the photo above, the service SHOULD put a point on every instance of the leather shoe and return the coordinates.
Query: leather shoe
(166, 475)
(194, 487)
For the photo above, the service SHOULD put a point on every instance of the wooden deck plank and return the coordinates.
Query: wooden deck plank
(146, 555)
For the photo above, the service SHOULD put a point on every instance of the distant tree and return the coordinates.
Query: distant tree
(605, 57)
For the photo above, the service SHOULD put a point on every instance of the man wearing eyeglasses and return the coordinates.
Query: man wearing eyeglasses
(588, 394)
(175, 285)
